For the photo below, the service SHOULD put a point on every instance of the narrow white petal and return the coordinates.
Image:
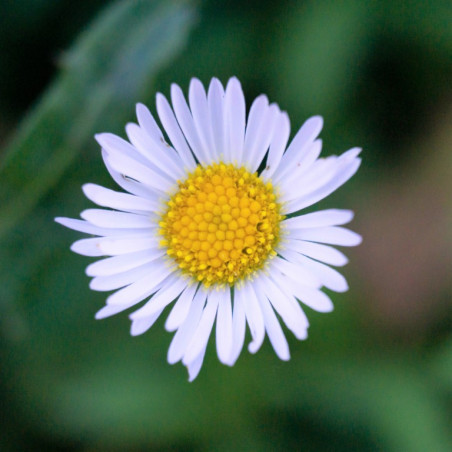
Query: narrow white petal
(174, 132)
(185, 120)
(113, 219)
(119, 201)
(322, 253)
(147, 122)
(141, 288)
(215, 99)
(321, 173)
(161, 156)
(343, 174)
(108, 311)
(140, 326)
(283, 268)
(130, 185)
(333, 235)
(234, 121)
(254, 316)
(272, 326)
(224, 338)
(299, 145)
(173, 286)
(111, 266)
(278, 145)
(303, 170)
(185, 332)
(180, 310)
(123, 262)
(87, 247)
(201, 336)
(82, 226)
(140, 172)
(322, 218)
(238, 330)
(315, 299)
(195, 366)
(112, 282)
(329, 277)
(113, 246)
(287, 307)
(256, 118)
(117, 145)
(201, 117)
(264, 138)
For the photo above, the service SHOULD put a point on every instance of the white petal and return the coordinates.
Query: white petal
(117, 145)
(141, 288)
(287, 307)
(263, 140)
(200, 337)
(174, 132)
(108, 311)
(302, 177)
(119, 201)
(333, 235)
(322, 253)
(322, 218)
(224, 339)
(123, 262)
(283, 267)
(130, 185)
(201, 117)
(159, 154)
(140, 172)
(254, 316)
(173, 286)
(148, 123)
(315, 299)
(303, 180)
(344, 173)
(82, 226)
(113, 219)
(234, 121)
(113, 246)
(299, 145)
(140, 326)
(278, 145)
(87, 247)
(215, 99)
(185, 332)
(112, 282)
(195, 366)
(185, 120)
(272, 326)
(238, 330)
(180, 310)
(329, 277)
(253, 129)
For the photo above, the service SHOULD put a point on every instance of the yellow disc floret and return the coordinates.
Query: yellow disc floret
(222, 225)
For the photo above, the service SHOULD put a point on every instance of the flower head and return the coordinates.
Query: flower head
(212, 223)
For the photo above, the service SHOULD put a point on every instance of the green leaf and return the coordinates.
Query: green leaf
(106, 72)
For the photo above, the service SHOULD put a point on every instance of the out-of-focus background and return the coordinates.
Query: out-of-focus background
(376, 374)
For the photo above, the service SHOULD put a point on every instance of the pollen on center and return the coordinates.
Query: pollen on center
(222, 225)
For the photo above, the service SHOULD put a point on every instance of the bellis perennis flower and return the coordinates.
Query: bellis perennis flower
(211, 226)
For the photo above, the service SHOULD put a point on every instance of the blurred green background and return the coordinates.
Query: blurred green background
(376, 374)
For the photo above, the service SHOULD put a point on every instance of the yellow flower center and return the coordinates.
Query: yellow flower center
(222, 225)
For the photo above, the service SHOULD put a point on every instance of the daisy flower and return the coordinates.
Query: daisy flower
(210, 223)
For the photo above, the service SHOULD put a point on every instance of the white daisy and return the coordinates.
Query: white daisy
(212, 223)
